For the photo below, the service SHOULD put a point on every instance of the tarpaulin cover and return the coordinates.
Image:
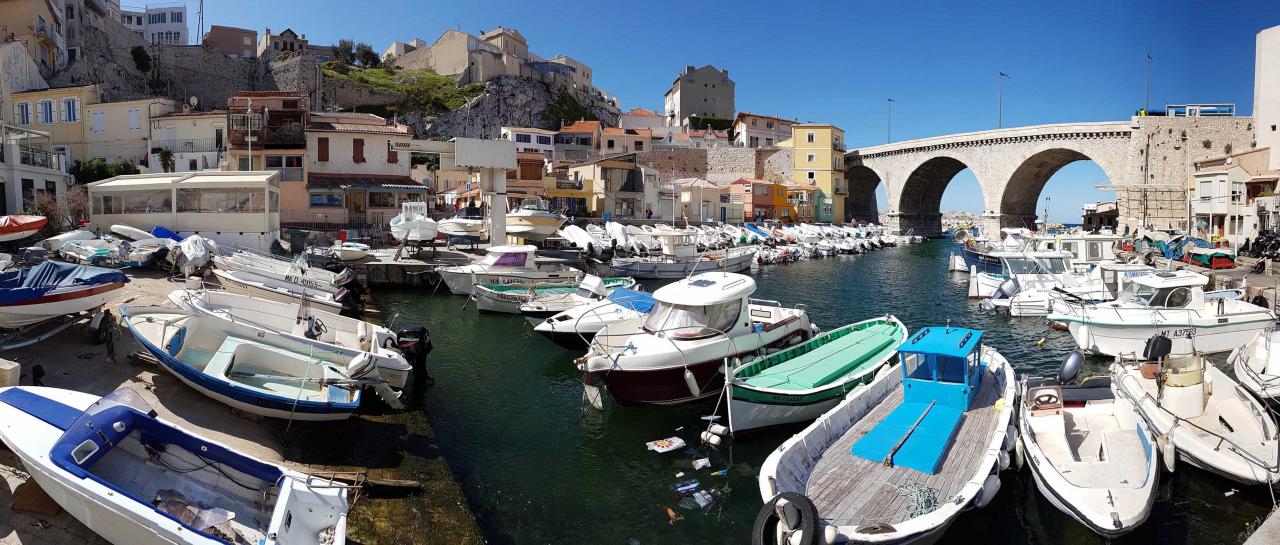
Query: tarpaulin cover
(34, 282)
(15, 224)
(638, 301)
(161, 232)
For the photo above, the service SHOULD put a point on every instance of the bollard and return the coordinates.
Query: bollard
(10, 373)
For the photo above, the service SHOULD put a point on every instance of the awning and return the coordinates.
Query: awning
(343, 182)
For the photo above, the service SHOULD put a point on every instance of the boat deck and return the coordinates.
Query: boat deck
(849, 490)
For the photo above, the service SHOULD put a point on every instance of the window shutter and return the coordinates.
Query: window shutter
(17, 114)
(392, 155)
(62, 111)
(322, 148)
(357, 150)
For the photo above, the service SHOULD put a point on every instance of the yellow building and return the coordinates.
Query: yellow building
(38, 24)
(120, 131)
(59, 111)
(818, 162)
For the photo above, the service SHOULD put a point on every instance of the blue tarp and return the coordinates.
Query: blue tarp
(638, 301)
(34, 282)
(161, 232)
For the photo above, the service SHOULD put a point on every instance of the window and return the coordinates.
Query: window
(98, 123)
(245, 54)
(768, 124)
(46, 112)
(524, 138)
(755, 142)
(357, 150)
(324, 199)
(811, 157)
(71, 12)
(544, 140)
(275, 161)
(753, 123)
(693, 322)
(244, 164)
(192, 165)
(71, 109)
(176, 16)
(811, 176)
(221, 200)
(768, 142)
(610, 143)
(291, 105)
(135, 120)
(809, 138)
(393, 156)
(244, 40)
(382, 199)
(322, 148)
(639, 146)
(22, 113)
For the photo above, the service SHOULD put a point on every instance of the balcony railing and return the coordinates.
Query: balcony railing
(568, 184)
(271, 135)
(36, 158)
(189, 145)
(289, 174)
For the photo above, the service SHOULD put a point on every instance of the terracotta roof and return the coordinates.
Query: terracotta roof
(743, 181)
(316, 180)
(615, 131)
(323, 126)
(761, 116)
(530, 155)
(644, 112)
(581, 126)
(193, 114)
(694, 133)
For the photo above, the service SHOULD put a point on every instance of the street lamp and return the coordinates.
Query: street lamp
(888, 124)
(1146, 100)
(1000, 98)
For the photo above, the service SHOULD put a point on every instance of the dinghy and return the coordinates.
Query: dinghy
(297, 271)
(898, 459)
(141, 253)
(54, 243)
(576, 327)
(534, 220)
(133, 478)
(52, 289)
(513, 264)
(349, 251)
(1257, 367)
(1090, 452)
(131, 233)
(305, 324)
(802, 382)
(97, 251)
(236, 364)
(18, 227)
(463, 228)
(256, 285)
(507, 298)
(413, 223)
(1200, 415)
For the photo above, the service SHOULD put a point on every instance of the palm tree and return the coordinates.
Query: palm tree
(166, 160)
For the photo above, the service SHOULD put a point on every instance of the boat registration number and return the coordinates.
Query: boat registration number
(302, 281)
(1185, 332)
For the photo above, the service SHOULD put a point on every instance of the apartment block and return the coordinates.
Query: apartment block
(39, 26)
(818, 161)
(28, 167)
(706, 92)
(196, 140)
(354, 174)
(529, 139)
(239, 43)
(759, 131)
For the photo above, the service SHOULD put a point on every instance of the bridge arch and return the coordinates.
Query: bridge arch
(919, 202)
(860, 203)
(1021, 193)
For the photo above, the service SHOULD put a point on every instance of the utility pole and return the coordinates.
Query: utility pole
(1000, 98)
(1146, 100)
(888, 124)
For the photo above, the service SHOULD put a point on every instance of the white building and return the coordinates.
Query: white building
(1266, 93)
(705, 92)
(759, 131)
(196, 139)
(134, 19)
(28, 168)
(158, 23)
(531, 139)
(354, 173)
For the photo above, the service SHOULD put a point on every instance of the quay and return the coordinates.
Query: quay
(391, 446)
(1267, 533)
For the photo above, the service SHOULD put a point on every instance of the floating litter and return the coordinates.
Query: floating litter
(665, 445)
(703, 498)
(701, 463)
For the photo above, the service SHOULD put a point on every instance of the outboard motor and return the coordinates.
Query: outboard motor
(414, 342)
(1007, 289)
(347, 279)
(34, 255)
(351, 303)
(1157, 347)
(1071, 367)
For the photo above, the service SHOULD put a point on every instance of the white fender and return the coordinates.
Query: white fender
(717, 429)
(692, 382)
(1004, 460)
(973, 281)
(1168, 452)
(989, 489)
(830, 534)
(1019, 454)
(1010, 435)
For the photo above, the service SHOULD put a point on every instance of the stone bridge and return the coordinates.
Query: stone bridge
(1012, 166)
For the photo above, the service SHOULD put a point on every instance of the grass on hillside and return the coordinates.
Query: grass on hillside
(425, 91)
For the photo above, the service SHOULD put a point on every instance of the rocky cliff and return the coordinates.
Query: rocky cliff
(507, 101)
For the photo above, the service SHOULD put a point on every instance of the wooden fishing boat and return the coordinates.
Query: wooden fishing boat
(507, 298)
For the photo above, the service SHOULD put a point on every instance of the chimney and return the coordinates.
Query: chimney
(267, 32)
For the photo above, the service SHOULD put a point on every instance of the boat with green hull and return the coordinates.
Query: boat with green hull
(507, 298)
(800, 383)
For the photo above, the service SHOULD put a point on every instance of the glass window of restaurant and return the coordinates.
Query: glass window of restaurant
(156, 201)
(232, 199)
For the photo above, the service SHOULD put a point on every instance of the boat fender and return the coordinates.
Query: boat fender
(989, 489)
(718, 429)
(1168, 453)
(790, 515)
(1004, 460)
(1009, 437)
(1019, 455)
(710, 438)
(689, 380)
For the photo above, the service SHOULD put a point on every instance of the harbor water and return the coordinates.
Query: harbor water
(537, 468)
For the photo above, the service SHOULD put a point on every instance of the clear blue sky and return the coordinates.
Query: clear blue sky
(1080, 60)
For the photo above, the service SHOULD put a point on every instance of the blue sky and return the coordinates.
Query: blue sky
(838, 61)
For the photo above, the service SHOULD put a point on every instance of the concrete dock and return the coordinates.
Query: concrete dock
(373, 443)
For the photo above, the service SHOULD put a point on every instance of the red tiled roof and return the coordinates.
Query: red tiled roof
(615, 131)
(581, 126)
(642, 112)
(322, 126)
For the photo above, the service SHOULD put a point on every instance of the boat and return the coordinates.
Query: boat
(592, 290)
(18, 227)
(507, 298)
(134, 478)
(54, 243)
(900, 458)
(1086, 249)
(576, 327)
(592, 243)
(1170, 303)
(349, 251)
(1200, 414)
(141, 252)
(310, 326)
(463, 228)
(192, 254)
(1089, 451)
(257, 285)
(676, 353)
(1034, 279)
(413, 223)
(802, 382)
(98, 251)
(977, 250)
(52, 289)
(298, 271)
(131, 233)
(533, 220)
(679, 258)
(1257, 367)
(512, 264)
(1211, 258)
(239, 366)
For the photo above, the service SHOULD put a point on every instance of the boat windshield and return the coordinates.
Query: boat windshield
(533, 204)
(1144, 295)
(693, 322)
(513, 259)
(1037, 265)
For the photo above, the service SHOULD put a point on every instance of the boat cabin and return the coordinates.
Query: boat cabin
(1084, 248)
(702, 306)
(1167, 289)
(676, 243)
(534, 204)
(1022, 263)
(513, 256)
(941, 375)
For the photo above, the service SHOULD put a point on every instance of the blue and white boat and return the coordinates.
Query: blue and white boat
(978, 250)
(134, 478)
(251, 370)
(901, 457)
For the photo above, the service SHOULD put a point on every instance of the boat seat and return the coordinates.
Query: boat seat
(828, 362)
(924, 446)
(223, 358)
(1085, 442)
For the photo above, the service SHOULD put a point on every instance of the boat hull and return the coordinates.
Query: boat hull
(235, 285)
(459, 283)
(1130, 339)
(55, 304)
(985, 263)
(668, 269)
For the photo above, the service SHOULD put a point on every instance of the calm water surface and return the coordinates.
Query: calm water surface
(537, 469)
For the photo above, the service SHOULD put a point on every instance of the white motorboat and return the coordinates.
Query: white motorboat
(297, 271)
(1201, 414)
(133, 478)
(131, 233)
(463, 228)
(900, 458)
(508, 298)
(533, 220)
(508, 265)
(98, 251)
(1033, 280)
(257, 285)
(592, 290)
(1090, 452)
(576, 327)
(54, 243)
(413, 223)
(141, 252)
(307, 325)
(802, 382)
(18, 227)
(679, 258)
(1257, 367)
(584, 240)
(52, 289)
(1170, 303)
(192, 254)
(349, 251)
(677, 352)
(1086, 249)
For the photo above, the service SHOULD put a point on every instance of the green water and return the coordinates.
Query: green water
(506, 406)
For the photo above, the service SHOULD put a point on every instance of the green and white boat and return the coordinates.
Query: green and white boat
(802, 382)
(507, 298)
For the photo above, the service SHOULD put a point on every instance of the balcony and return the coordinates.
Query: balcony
(288, 174)
(286, 135)
(1218, 206)
(196, 145)
(568, 184)
(37, 158)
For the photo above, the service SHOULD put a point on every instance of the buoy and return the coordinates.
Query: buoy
(718, 429)
(988, 492)
(692, 382)
(829, 534)
(1040, 343)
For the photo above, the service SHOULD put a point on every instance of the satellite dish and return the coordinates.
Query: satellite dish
(193, 101)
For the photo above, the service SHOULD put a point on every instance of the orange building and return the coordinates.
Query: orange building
(761, 199)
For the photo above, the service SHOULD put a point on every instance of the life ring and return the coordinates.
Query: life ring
(802, 515)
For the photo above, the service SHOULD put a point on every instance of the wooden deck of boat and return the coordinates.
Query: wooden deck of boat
(849, 490)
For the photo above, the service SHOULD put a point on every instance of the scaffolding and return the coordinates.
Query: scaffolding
(1161, 206)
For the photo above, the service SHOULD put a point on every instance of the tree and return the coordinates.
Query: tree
(96, 169)
(141, 59)
(344, 51)
(166, 160)
(565, 109)
(366, 56)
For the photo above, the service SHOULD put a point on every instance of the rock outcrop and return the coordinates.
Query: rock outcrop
(507, 101)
